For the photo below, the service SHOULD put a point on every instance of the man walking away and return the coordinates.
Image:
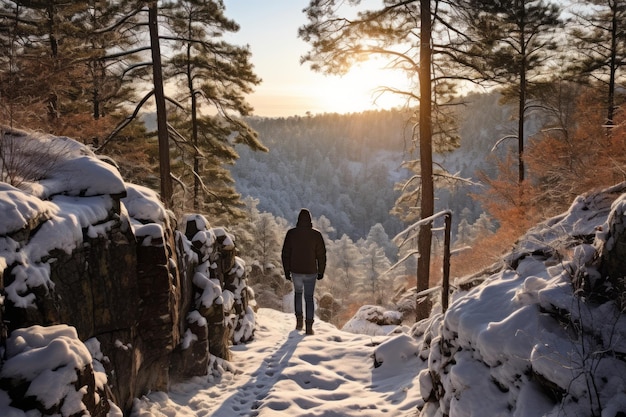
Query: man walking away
(304, 262)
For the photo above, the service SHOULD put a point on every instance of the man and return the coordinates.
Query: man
(304, 262)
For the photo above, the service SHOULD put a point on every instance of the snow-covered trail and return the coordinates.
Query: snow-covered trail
(284, 372)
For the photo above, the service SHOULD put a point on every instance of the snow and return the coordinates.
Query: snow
(93, 346)
(228, 238)
(188, 339)
(84, 176)
(144, 204)
(195, 317)
(284, 372)
(211, 290)
(525, 323)
(493, 353)
(51, 165)
(203, 241)
(72, 192)
(486, 356)
(364, 321)
(49, 357)
(150, 234)
(18, 208)
(200, 221)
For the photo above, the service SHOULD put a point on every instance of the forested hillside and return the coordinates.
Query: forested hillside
(347, 167)
(343, 167)
(484, 122)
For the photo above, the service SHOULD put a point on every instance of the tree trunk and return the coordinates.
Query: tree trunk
(422, 310)
(194, 135)
(612, 66)
(159, 97)
(522, 102)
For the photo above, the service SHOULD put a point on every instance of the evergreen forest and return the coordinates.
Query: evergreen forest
(524, 113)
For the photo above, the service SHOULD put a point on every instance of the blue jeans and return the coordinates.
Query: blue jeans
(306, 283)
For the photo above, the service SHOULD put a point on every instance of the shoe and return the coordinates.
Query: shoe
(298, 322)
(309, 327)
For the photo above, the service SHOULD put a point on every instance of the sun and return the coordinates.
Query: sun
(362, 88)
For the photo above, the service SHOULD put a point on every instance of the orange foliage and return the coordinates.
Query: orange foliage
(506, 201)
(585, 157)
(84, 128)
(482, 253)
(80, 126)
(561, 165)
(582, 157)
(346, 314)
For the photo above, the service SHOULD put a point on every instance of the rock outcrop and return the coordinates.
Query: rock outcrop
(542, 332)
(81, 248)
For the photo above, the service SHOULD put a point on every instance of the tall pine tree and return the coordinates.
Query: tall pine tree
(213, 77)
(56, 73)
(402, 33)
(600, 49)
(511, 44)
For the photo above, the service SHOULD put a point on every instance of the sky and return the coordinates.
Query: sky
(289, 88)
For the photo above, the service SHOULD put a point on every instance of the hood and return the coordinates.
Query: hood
(304, 219)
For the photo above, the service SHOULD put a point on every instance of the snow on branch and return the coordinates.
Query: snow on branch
(408, 233)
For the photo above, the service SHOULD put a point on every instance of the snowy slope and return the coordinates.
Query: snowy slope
(283, 372)
(527, 342)
(519, 343)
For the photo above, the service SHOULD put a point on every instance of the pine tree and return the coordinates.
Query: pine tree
(259, 239)
(375, 286)
(44, 47)
(378, 235)
(464, 233)
(512, 42)
(339, 41)
(343, 269)
(213, 78)
(600, 48)
(483, 227)
(323, 224)
(58, 69)
(113, 30)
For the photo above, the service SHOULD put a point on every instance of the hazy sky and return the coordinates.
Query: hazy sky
(270, 28)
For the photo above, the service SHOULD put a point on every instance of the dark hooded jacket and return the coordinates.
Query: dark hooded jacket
(304, 251)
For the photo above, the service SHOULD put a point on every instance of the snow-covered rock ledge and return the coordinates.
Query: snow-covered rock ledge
(543, 334)
(95, 275)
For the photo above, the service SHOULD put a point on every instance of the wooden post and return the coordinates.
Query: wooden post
(445, 282)
(427, 223)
